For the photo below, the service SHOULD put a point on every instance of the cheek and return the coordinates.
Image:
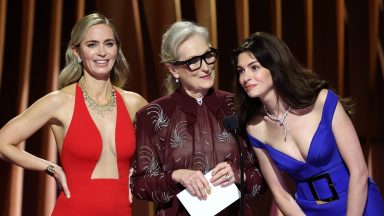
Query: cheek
(89, 55)
(114, 52)
(241, 78)
(262, 76)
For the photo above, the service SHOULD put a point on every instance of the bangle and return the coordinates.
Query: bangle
(50, 170)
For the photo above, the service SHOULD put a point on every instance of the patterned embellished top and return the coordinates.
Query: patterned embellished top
(174, 132)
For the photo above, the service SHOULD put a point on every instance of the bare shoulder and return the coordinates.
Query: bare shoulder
(320, 101)
(133, 101)
(52, 106)
(322, 96)
(60, 98)
(314, 109)
(256, 127)
(60, 103)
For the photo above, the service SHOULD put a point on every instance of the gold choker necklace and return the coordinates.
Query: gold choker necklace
(101, 109)
(280, 120)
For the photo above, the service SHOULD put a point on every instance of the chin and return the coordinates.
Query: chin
(252, 95)
(207, 85)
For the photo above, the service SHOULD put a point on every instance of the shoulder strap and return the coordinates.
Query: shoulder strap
(330, 106)
(255, 142)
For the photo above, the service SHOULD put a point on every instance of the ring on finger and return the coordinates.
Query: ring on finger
(227, 177)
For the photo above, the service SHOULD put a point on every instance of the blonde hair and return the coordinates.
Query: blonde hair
(73, 70)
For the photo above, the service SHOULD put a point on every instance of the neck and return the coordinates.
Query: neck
(196, 94)
(279, 119)
(99, 90)
(277, 109)
(275, 105)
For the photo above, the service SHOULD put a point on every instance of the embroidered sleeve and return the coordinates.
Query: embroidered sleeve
(149, 181)
(254, 184)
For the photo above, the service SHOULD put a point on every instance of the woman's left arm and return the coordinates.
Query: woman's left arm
(254, 181)
(352, 154)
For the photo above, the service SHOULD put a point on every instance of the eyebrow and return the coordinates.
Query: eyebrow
(250, 63)
(109, 40)
(191, 57)
(96, 41)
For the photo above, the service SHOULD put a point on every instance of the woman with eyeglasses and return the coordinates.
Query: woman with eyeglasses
(181, 137)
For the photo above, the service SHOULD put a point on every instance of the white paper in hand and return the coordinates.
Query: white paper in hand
(220, 198)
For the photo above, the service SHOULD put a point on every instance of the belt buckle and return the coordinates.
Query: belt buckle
(331, 186)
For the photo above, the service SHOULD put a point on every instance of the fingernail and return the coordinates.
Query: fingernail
(209, 191)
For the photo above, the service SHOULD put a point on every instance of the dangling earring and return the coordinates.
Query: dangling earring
(177, 80)
(79, 60)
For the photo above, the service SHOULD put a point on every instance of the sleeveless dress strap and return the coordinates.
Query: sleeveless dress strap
(330, 106)
(255, 142)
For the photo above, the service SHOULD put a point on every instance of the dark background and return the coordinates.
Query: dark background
(341, 40)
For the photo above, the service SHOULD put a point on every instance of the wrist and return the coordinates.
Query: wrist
(50, 170)
(174, 175)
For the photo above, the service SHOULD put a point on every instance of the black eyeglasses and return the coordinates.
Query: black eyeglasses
(195, 62)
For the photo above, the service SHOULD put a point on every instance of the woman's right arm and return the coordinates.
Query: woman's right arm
(23, 126)
(149, 181)
(276, 183)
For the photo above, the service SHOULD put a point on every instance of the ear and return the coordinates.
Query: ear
(75, 51)
(172, 70)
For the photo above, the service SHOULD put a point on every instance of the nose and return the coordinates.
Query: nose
(101, 51)
(246, 76)
(204, 66)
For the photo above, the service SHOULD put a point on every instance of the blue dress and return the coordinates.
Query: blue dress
(324, 175)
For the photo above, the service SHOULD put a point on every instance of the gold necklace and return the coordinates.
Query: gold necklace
(279, 119)
(101, 109)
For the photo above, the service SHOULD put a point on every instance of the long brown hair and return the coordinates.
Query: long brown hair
(294, 84)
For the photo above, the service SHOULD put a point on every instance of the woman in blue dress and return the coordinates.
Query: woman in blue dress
(298, 126)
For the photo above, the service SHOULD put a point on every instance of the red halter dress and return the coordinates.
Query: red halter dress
(80, 153)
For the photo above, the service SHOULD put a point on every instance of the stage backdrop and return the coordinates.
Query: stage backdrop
(340, 40)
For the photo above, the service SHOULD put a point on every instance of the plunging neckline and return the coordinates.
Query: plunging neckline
(308, 158)
(289, 156)
(100, 138)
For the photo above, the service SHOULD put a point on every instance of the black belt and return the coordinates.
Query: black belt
(331, 187)
(333, 182)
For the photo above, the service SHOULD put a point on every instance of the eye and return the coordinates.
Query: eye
(110, 44)
(91, 45)
(209, 55)
(193, 60)
(240, 70)
(254, 67)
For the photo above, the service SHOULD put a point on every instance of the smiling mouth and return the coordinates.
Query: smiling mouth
(101, 61)
(206, 76)
(251, 86)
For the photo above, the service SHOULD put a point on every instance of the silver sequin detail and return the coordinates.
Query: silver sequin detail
(159, 119)
(151, 165)
(179, 135)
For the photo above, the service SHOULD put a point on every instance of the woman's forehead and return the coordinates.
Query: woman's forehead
(195, 45)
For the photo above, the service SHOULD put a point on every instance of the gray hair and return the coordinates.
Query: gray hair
(175, 35)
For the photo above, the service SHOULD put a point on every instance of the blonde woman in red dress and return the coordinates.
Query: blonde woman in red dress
(91, 119)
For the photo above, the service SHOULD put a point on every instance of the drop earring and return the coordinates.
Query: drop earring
(79, 60)
(177, 80)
